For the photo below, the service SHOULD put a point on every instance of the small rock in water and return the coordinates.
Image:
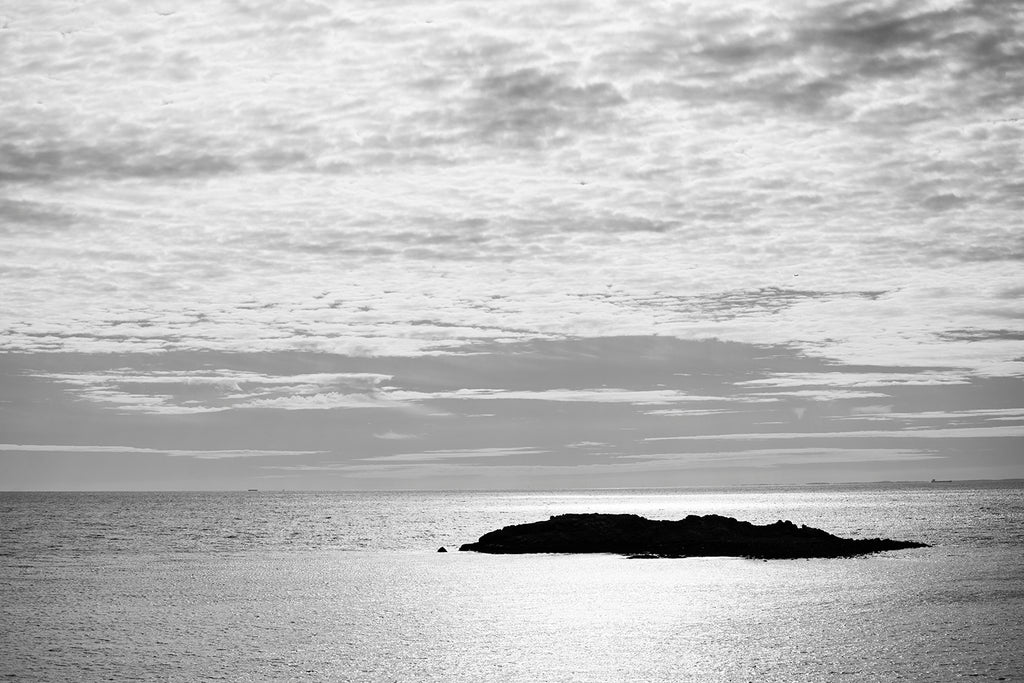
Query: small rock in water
(442, 549)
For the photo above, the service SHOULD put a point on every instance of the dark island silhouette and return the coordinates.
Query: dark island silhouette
(708, 535)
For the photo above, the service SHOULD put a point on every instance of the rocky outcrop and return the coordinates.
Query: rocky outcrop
(708, 535)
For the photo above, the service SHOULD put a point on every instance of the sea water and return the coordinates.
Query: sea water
(278, 586)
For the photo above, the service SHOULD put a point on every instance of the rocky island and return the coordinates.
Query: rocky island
(708, 535)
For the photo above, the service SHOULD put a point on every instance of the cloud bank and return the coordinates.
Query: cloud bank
(286, 177)
(391, 241)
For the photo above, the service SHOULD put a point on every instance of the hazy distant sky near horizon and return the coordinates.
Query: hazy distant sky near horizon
(509, 244)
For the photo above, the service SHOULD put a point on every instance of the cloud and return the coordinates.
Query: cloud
(947, 417)
(171, 392)
(559, 406)
(39, 215)
(602, 395)
(58, 159)
(1001, 432)
(519, 171)
(394, 436)
(621, 469)
(327, 401)
(859, 379)
(807, 58)
(775, 457)
(945, 202)
(981, 335)
(176, 392)
(454, 454)
(822, 394)
(695, 412)
(172, 452)
(722, 306)
(529, 107)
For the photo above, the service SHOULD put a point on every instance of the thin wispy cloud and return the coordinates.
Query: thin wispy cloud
(775, 457)
(860, 379)
(455, 454)
(602, 395)
(885, 413)
(218, 390)
(129, 450)
(394, 436)
(659, 464)
(822, 394)
(988, 432)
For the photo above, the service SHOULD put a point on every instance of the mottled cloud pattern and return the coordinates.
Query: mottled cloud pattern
(406, 187)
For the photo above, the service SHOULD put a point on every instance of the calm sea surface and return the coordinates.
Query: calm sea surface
(285, 586)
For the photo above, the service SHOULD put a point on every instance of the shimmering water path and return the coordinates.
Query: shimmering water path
(343, 586)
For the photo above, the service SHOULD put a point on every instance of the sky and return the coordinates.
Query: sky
(288, 244)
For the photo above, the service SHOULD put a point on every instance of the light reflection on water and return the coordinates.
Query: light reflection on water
(268, 604)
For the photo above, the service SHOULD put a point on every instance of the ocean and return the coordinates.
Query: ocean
(341, 586)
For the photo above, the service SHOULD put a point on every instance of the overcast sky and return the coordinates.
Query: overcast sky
(294, 244)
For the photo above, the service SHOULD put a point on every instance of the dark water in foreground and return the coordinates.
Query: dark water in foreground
(348, 586)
